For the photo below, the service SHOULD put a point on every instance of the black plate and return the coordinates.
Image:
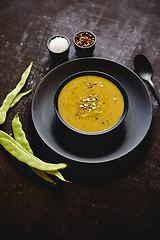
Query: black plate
(137, 122)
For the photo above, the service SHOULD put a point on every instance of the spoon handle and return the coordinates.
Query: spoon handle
(155, 92)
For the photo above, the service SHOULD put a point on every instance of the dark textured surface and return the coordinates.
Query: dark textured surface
(126, 205)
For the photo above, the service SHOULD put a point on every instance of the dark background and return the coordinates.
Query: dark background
(126, 206)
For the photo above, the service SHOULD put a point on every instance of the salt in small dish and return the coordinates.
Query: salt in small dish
(58, 47)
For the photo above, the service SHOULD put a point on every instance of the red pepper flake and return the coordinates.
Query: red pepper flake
(84, 39)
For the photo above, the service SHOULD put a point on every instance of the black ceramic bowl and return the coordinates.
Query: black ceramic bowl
(106, 131)
(58, 55)
(84, 42)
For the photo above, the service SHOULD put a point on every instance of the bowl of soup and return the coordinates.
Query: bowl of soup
(91, 103)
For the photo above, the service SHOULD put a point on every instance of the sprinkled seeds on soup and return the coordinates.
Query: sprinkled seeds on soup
(91, 103)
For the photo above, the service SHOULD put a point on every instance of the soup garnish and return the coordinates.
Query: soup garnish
(91, 103)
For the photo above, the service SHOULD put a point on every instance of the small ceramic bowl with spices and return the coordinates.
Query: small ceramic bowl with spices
(84, 42)
(58, 47)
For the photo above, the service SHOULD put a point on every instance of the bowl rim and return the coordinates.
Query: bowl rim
(93, 44)
(97, 73)
(54, 36)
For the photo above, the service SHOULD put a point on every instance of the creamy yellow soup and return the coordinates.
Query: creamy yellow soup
(91, 103)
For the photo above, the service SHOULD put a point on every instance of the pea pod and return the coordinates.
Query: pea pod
(19, 134)
(16, 150)
(20, 137)
(10, 97)
(59, 175)
(43, 175)
(20, 147)
(19, 96)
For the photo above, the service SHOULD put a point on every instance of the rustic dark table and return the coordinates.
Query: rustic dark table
(124, 205)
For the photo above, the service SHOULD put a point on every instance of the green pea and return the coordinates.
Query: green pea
(10, 97)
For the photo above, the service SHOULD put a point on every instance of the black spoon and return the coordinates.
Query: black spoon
(144, 69)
